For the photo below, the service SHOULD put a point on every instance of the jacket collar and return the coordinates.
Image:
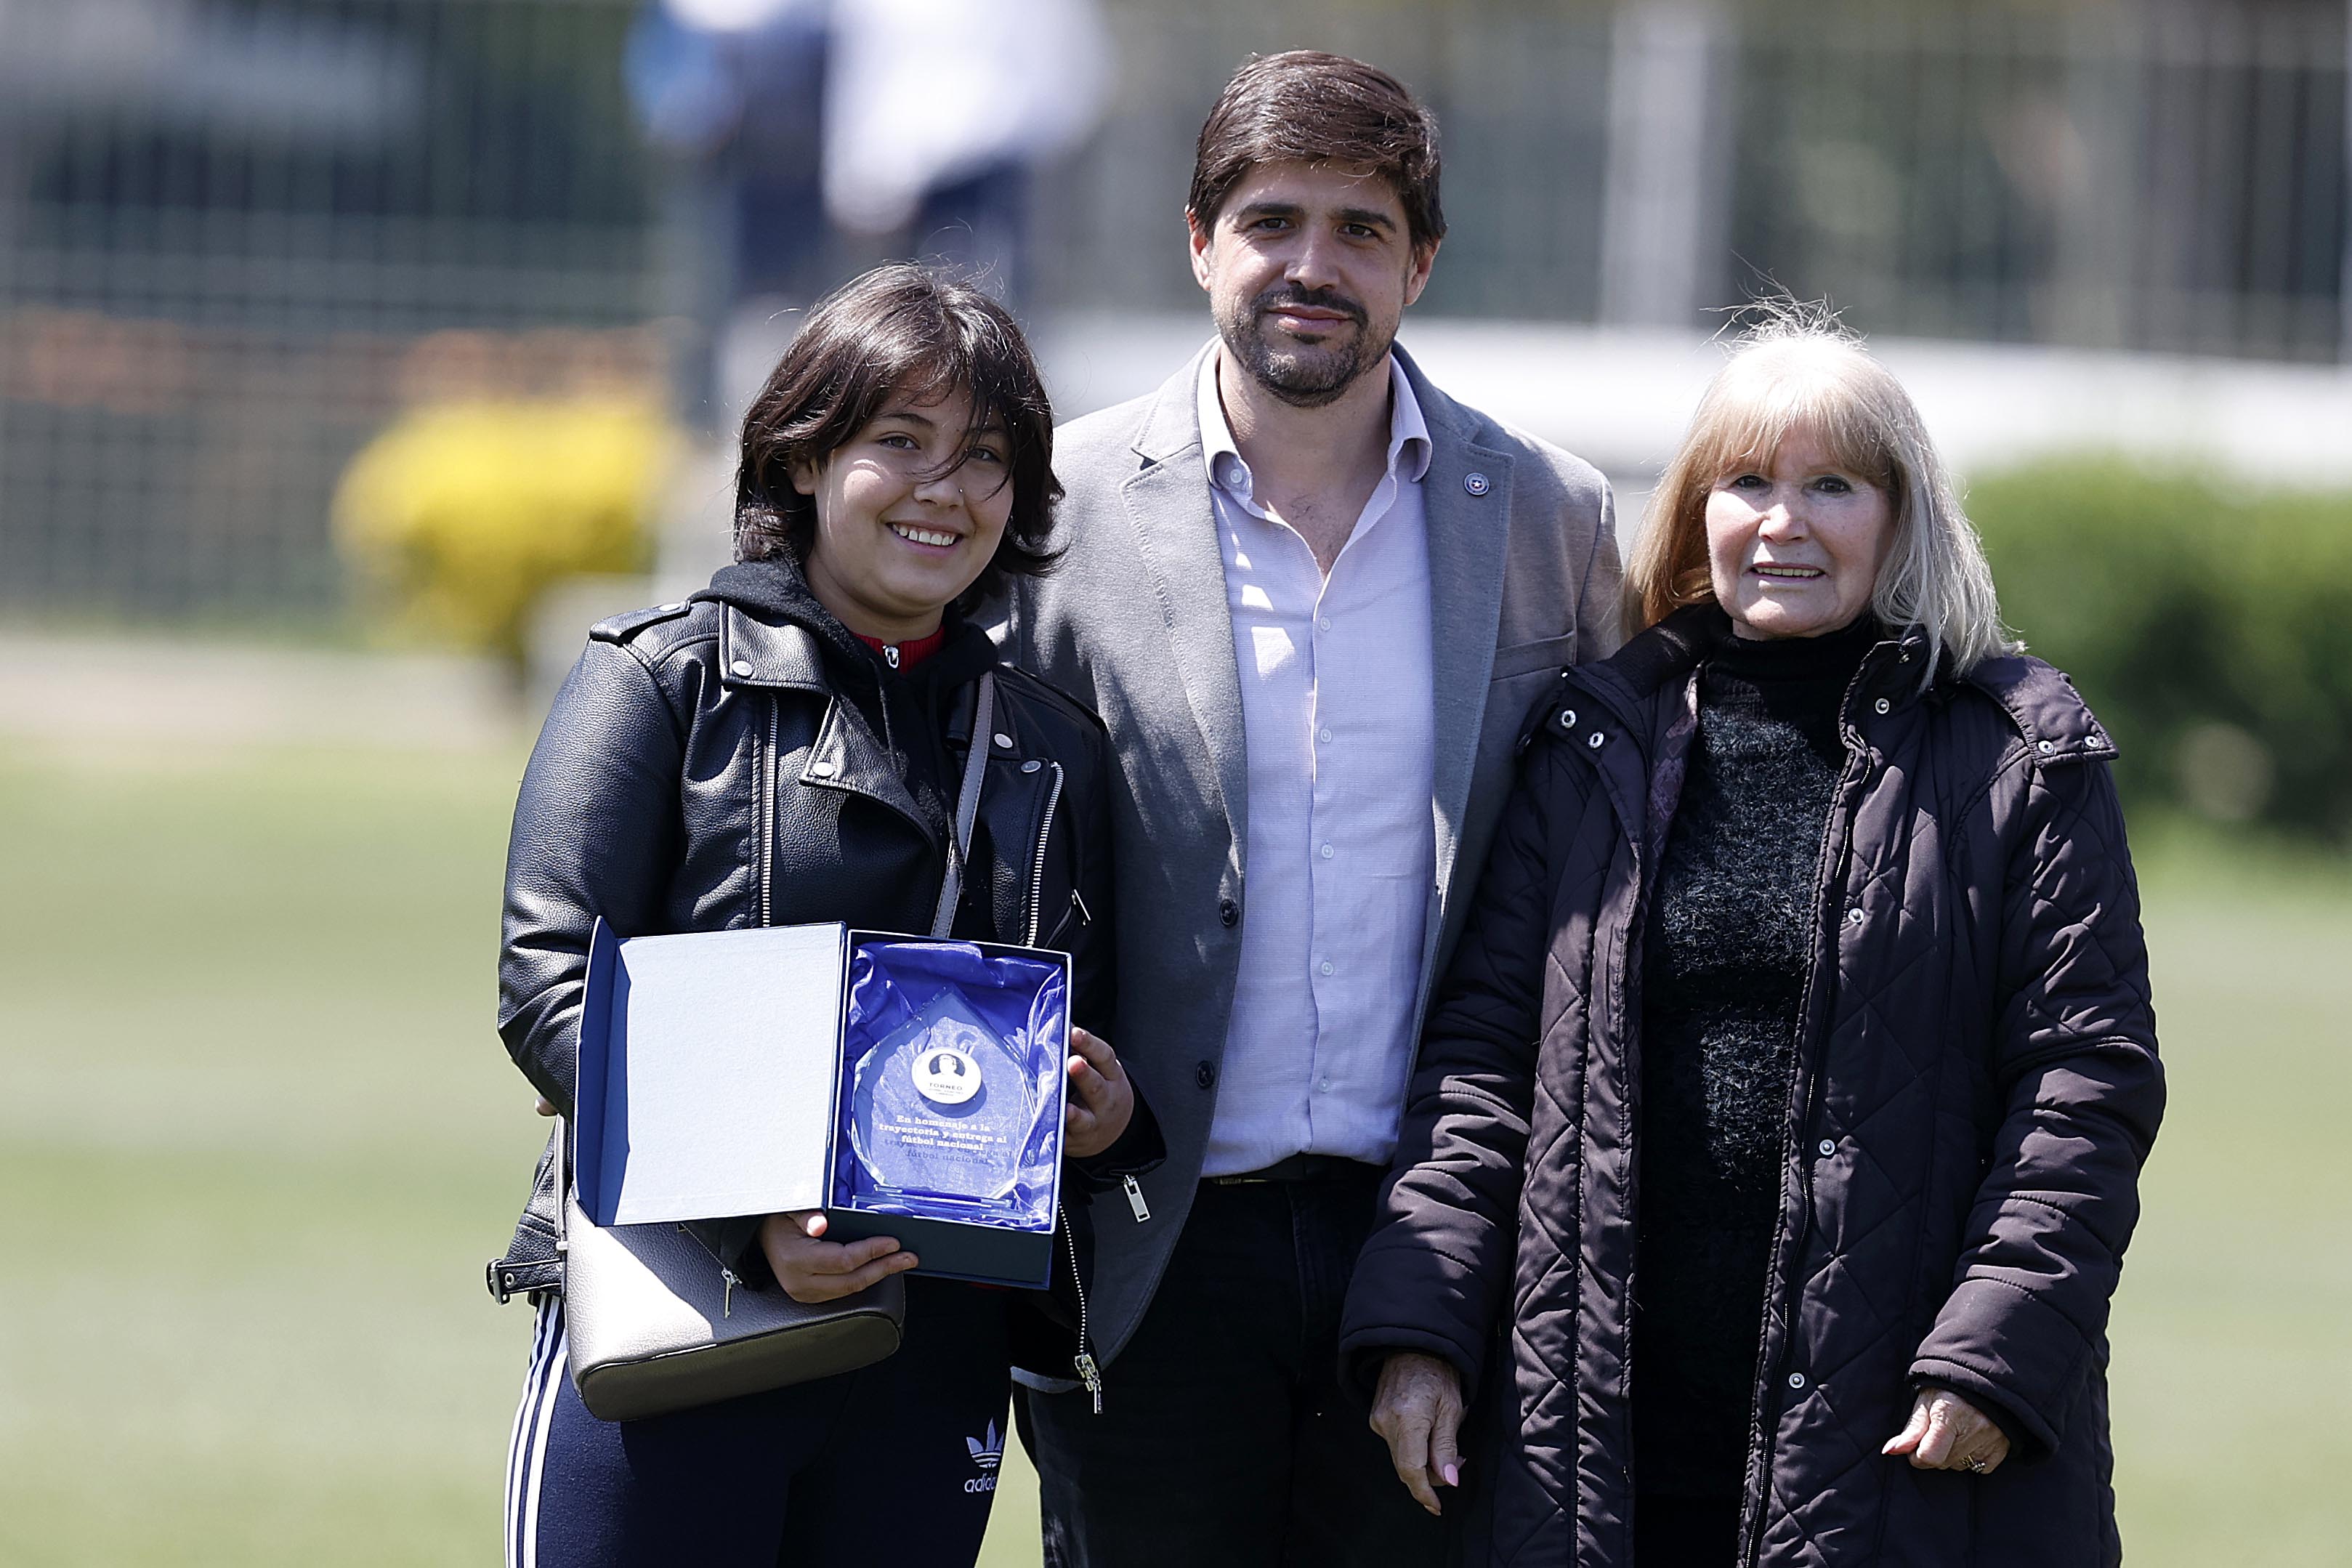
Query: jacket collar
(2041, 701)
(756, 652)
(1171, 423)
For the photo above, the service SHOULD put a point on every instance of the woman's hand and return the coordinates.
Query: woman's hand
(812, 1270)
(1418, 1408)
(1101, 1100)
(1947, 1433)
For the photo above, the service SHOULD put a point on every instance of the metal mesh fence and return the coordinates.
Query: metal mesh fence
(236, 235)
(2165, 175)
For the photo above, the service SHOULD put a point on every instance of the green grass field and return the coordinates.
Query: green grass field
(256, 1138)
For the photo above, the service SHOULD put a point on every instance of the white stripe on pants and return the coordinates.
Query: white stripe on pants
(526, 1449)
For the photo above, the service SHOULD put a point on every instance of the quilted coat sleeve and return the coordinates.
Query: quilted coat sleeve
(2074, 1059)
(596, 833)
(1435, 1274)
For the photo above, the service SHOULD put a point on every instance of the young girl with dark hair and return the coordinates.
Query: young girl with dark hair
(785, 747)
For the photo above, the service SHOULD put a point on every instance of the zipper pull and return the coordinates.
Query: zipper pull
(1091, 1375)
(727, 1301)
(1135, 1198)
(1084, 913)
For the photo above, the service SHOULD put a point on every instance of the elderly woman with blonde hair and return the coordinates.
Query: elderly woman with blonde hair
(1777, 1131)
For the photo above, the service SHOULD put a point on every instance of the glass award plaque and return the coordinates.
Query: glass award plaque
(943, 1107)
(948, 1111)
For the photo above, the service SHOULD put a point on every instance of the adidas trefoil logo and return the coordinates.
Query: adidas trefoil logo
(987, 1452)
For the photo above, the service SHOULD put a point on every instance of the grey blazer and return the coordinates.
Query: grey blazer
(1524, 579)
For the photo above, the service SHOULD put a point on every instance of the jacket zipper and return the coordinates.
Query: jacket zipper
(1084, 1362)
(1803, 1071)
(1038, 866)
(768, 809)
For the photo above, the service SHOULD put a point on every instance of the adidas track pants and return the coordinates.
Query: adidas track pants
(895, 1462)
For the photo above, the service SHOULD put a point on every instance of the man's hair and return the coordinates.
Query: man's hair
(1797, 368)
(899, 330)
(1306, 107)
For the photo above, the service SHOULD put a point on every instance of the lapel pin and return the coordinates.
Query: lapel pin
(1477, 484)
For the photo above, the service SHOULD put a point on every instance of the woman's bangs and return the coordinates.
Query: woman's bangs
(1752, 429)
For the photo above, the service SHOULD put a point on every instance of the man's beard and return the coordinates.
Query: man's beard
(1298, 374)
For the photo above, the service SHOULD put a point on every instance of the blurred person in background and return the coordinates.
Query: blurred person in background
(1312, 596)
(897, 465)
(801, 133)
(733, 92)
(939, 111)
(1777, 1135)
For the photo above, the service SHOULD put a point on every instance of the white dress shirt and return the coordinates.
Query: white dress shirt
(1338, 717)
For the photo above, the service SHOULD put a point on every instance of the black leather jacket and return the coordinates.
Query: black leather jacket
(741, 760)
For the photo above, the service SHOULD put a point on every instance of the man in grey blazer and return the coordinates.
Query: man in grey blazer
(1313, 598)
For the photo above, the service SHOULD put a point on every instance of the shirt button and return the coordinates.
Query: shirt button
(1229, 913)
(1328, 852)
(1323, 735)
(1881, 706)
(1796, 1380)
(1205, 1075)
(1854, 917)
(1828, 1147)
(1325, 1085)
(1323, 623)
(1325, 967)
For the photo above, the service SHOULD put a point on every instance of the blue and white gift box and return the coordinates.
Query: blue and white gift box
(907, 1085)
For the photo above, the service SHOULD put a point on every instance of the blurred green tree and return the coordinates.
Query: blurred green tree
(2208, 620)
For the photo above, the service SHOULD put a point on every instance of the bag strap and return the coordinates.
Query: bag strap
(975, 761)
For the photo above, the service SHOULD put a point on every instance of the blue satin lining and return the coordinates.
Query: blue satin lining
(1024, 1000)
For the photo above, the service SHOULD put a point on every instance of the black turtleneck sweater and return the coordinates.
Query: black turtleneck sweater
(1725, 954)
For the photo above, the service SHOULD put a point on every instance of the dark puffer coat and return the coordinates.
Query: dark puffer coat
(1977, 1087)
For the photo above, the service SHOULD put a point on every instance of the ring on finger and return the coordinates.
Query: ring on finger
(1974, 1464)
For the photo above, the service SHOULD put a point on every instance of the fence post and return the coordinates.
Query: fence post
(1660, 229)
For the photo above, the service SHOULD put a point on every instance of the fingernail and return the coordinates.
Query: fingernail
(1452, 1476)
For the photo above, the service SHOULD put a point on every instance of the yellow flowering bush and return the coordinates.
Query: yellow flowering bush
(459, 514)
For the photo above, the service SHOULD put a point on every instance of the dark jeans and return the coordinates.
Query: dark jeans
(892, 1463)
(1225, 1438)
